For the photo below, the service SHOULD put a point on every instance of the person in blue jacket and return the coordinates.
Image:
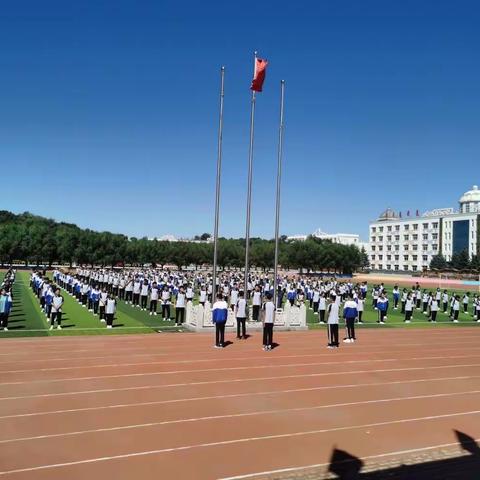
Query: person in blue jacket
(350, 313)
(219, 318)
(382, 306)
(5, 306)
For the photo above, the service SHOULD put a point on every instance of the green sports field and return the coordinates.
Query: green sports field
(27, 319)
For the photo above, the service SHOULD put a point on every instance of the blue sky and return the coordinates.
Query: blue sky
(109, 111)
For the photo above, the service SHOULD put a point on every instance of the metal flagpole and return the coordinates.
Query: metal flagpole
(279, 183)
(249, 184)
(217, 191)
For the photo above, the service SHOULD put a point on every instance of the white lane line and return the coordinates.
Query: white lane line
(235, 380)
(340, 355)
(121, 365)
(206, 370)
(236, 415)
(233, 395)
(235, 441)
(319, 465)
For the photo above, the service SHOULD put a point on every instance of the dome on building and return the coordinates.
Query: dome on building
(472, 195)
(388, 214)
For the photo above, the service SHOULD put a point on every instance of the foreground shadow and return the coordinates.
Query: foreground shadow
(462, 467)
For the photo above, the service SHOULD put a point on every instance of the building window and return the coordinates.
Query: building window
(380, 257)
(374, 229)
(397, 228)
(415, 237)
(414, 268)
(415, 226)
(424, 247)
(373, 257)
(389, 238)
(405, 237)
(425, 258)
(434, 236)
(435, 225)
(397, 238)
(425, 226)
(406, 226)
(389, 228)
(405, 257)
(425, 236)
(380, 229)
(397, 248)
(415, 247)
(397, 257)
(374, 239)
(397, 267)
(389, 267)
(373, 248)
(435, 246)
(389, 247)
(415, 258)
(389, 257)
(380, 248)
(380, 239)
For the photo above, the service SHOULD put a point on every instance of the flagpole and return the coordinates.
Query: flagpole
(249, 184)
(218, 184)
(279, 183)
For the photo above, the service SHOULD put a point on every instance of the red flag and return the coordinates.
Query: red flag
(259, 75)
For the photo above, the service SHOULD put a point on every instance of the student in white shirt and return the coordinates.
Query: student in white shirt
(409, 304)
(268, 319)
(144, 294)
(332, 324)
(56, 314)
(203, 296)
(434, 307)
(180, 307)
(154, 291)
(322, 307)
(360, 308)
(256, 303)
(166, 304)
(241, 314)
(110, 309)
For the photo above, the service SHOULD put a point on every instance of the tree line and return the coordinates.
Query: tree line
(42, 241)
(460, 261)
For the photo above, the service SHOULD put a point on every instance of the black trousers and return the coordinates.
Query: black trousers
(56, 316)
(425, 306)
(153, 306)
(322, 316)
(109, 318)
(121, 293)
(403, 307)
(4, 320)
(102, 311)
(219, 334)
(360, 315)
(95, 307)
(408, 315)
(179, 315)
(128, 296)
(395, 302)
(455, 314)
(465, 307)
(332, 331)
(433, 316)
(350, 328)
(144, 301)
(445, 307)
(255, 312)
(268, 334)
(136, 298)
(166, 311)
(241, 326)
(315, 307)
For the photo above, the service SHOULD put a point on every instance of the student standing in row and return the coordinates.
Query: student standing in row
(256, 303)
(434, 307)
(268, 319)
(350, 313)
(180, 307)
(153, 298)
(382, 307)
(322, 307)
(332, 324)
(5, 306)
(110, 309)
(56, 313)
(241, 314)
(409, 308)
(219, 318)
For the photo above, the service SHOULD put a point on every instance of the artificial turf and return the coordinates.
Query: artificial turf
(27, 319)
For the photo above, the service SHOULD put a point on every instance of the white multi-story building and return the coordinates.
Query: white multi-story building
(408, 244)
(343, 238)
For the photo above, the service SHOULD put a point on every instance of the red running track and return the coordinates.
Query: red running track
(171, 406)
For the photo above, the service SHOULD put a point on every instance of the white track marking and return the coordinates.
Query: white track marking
(233, 395)
(236, 380)
(235, 441)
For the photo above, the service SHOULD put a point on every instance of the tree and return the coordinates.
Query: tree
(438, 262)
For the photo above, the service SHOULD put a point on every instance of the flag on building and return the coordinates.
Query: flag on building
(408, 213)
(400, 215)
(259, 75)
(418, 213)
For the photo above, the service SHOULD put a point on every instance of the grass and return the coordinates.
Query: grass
(27, 319)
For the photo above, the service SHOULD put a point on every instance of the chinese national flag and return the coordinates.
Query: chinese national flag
(259, 75)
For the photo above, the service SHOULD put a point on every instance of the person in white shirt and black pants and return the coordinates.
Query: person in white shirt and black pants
(241, 314)
(268, 319)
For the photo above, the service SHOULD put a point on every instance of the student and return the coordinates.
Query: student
(154, 291)
(144, 294)
(241, 314)
(5, 306)
(332, 324)
(203, 296)
(322, 307)
(477, 311)
(48, 301)
(95, 299)
(445, 301)
(256, 303)
(396, 297)
(128, 291)
(166, 304)
(409, 304)
(434, 307)
(268, 319)
(350, 313)
(136, 292)
(102, 303)
(382, 307)
(233, 297)
(315, 300)
(219, 318)
(56, 314)
(110, 310)
(360, 308)
(425, 302)
(466, 300)
(404, 300)
(455, 308)
(291, 295)
(180, 307)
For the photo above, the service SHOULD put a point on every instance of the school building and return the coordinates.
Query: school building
(408, 243)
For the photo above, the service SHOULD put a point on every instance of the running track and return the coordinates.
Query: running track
(170, 406)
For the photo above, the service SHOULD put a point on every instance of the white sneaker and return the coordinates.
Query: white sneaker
(151, 313)
(109, 326)
(407, 321)
(59, 327)
(155, 313)
(455, 321)
(382, 323)
(51, 327)
(5, 329)
(103, 320)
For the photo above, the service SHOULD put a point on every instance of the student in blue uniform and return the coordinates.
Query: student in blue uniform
(219, 318)
(5, 306)
(350, 313)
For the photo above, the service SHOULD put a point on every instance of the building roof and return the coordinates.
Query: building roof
(472, 195)
(388, 214)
